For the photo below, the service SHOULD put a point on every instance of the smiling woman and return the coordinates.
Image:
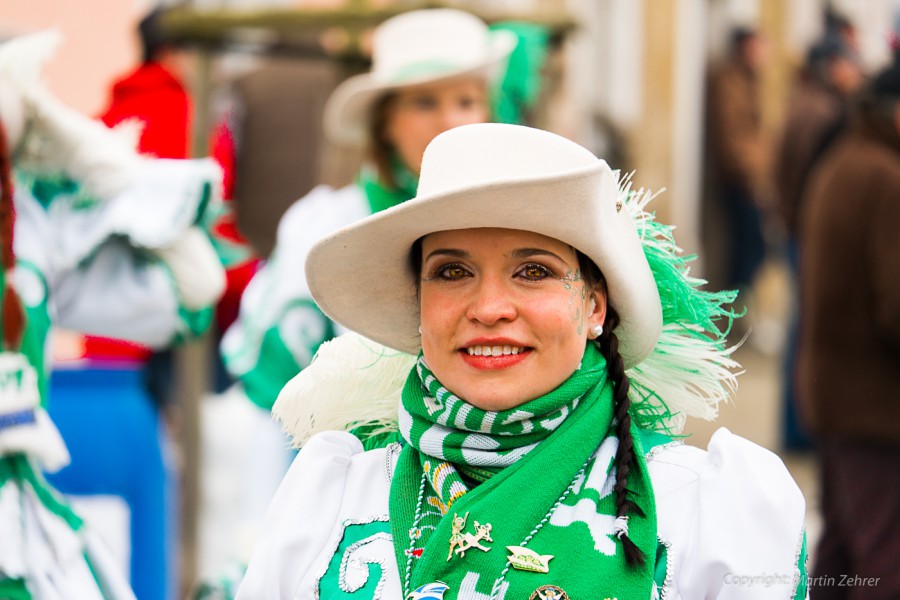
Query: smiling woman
(544, 350)
(504, 313)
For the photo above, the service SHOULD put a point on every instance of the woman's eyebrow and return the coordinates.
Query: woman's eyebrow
(527, 252)
(448, 252)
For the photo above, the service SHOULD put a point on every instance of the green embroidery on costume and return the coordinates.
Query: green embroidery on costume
(284, 349)
(14, 589)
(18, 467)
(223, 586)
(205, 199)
(803, 583)
(231, 253)
(194, 323)
(93, 570)
(344, 577)
(374, 436)
(652, 439)
(37, 322)
(48, 188)
(661, 571)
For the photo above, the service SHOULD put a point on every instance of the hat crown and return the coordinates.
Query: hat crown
(426, 40)
(494, 153)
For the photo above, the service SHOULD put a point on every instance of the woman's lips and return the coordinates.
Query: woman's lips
(486, 362)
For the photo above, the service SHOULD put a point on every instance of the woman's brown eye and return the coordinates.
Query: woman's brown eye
(452, 272)
(534, 272)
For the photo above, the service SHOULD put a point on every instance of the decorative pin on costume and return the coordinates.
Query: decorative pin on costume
(526, 559)
(549, 592)
(429, 591)
(461, 541)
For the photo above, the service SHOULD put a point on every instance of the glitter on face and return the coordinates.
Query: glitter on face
(577, 295)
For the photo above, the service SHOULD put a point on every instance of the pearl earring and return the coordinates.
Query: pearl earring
(597, 331)
(420, 330)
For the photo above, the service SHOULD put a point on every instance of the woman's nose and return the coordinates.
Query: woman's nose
(491, 303)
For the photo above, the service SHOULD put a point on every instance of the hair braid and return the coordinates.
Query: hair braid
(13, 315)
(609, 345)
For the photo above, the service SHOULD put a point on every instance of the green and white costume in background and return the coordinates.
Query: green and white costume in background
(280, 327)
(90, 265)
(275, 336)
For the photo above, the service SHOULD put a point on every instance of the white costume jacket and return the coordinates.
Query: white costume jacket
(731, 520)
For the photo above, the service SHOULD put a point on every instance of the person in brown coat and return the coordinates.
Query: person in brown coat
(849, 355)
(739, 154)
(817, 113)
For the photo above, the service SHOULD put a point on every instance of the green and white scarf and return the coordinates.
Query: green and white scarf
(548, 468)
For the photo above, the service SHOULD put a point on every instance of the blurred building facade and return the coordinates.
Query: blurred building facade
(632, 80)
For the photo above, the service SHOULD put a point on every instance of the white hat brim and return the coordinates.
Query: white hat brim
(347, 110)
(361, 275)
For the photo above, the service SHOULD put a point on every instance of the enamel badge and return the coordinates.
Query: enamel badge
(549, 592)
(429, 591)
(526, 559)
(461, 541)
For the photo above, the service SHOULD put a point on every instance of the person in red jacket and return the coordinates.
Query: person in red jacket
(153, 93)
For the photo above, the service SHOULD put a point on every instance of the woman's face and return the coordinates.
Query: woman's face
(505, 314)
(417, 114)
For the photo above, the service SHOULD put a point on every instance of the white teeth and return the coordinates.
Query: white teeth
(493, 350)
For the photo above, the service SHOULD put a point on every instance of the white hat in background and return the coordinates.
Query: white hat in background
(414, 48)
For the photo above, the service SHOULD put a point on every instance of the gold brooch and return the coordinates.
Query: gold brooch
(526, 559)
(460, 540)
(549, 592)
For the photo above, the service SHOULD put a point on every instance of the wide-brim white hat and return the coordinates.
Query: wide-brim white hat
(488, 175)
(415, 48)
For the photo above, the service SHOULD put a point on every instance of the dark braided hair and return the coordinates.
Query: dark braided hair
(13, 315)
(609, 346)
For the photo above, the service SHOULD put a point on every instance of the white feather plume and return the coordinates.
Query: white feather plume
(129, 131)
(691, 369)
(686, 375)
(22, 58)
(351, 381)
(57, 138)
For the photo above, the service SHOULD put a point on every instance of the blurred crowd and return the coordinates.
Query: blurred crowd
(828, 189)
(125, 288)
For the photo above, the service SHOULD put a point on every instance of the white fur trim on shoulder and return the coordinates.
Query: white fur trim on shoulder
(23, 57)
(351, 381)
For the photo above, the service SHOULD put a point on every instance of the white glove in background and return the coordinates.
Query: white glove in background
(196, 268)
